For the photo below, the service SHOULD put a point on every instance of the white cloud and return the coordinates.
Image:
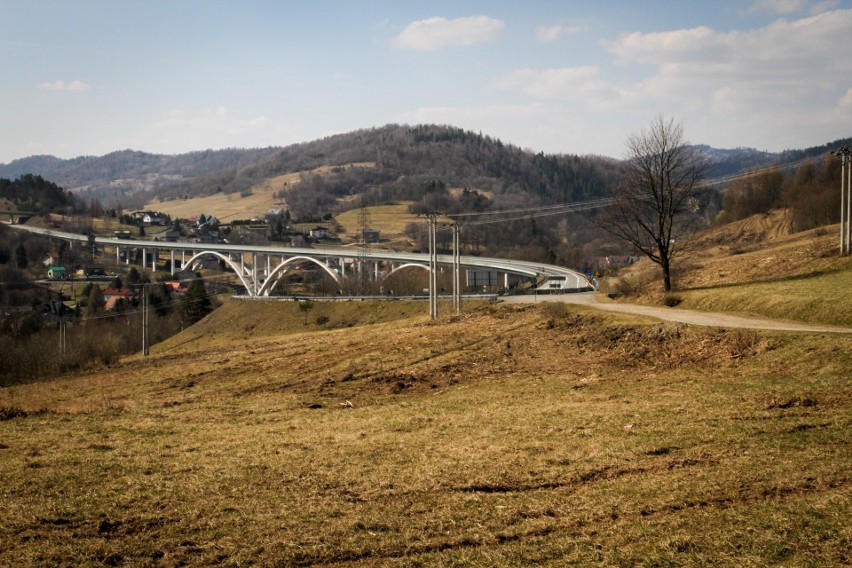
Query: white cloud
(795, 62)
(753, 87)
(552, 33)
(72, 87)
(787, 7)
(436, 33)
(846, 100)
(560, 83)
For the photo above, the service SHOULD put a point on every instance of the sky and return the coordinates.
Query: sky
(89, 77)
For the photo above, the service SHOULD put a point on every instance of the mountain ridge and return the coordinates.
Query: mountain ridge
(132, 177)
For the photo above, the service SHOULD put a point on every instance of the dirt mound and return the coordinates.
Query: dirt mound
(745, 232)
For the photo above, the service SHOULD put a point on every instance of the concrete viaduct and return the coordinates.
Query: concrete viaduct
(259, 268)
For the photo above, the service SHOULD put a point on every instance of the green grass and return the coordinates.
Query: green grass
(505, 437)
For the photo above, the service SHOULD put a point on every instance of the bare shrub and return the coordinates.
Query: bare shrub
(672, 300)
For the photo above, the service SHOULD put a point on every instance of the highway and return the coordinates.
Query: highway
(566, 278)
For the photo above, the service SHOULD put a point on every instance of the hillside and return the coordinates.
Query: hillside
(504, 437)
(365, 434)
(755, 266)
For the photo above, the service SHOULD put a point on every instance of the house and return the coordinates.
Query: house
(371, 236)
(57, 273)
(318, 233)
(149, 217)
(51, 259)
(152, 218)
(171, 236)
(113, 295)
(207, 229)
(176, 286)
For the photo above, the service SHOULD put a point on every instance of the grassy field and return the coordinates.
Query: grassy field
(508, 436)
(389, 219)
(256, 203)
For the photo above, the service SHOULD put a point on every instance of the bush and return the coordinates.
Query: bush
(672, 300)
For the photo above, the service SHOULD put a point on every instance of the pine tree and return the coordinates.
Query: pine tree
(195, 304)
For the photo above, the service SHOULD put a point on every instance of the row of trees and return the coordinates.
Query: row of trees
(810, 192)
(35, 194)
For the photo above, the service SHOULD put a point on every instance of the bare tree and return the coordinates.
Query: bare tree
(656, 201)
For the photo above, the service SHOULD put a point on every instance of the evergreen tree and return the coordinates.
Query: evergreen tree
(96, 300)
(195, 304)
(21, 260)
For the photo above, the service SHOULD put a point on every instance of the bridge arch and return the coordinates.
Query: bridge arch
(279, 271)
(240, 271)
(405, 266)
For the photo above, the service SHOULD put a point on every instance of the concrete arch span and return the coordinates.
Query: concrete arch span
(280, 270)
(405, 266)
(240, 271)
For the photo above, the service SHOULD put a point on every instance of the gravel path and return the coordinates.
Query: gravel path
(692, 317)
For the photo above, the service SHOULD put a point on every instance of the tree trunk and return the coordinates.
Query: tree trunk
(667, 273)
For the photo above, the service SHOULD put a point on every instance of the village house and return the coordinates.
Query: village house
(51, 259)
(57, 273)
(171, 236)
(371, 236)
(113, 295)
(319, 233)
(149, 217)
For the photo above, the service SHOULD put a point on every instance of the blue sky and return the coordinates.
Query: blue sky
(577, 77)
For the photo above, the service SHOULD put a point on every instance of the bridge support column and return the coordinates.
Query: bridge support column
(254, 270)
(144, 258)
(117, 254)
(173, 262)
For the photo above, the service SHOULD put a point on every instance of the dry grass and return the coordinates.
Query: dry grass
(756, 267)
(509, 436)
(227, 207)
(389, 219)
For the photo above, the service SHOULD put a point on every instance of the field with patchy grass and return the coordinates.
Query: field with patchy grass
(508, 436)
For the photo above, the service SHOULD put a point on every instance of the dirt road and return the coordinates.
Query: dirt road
(691, 317)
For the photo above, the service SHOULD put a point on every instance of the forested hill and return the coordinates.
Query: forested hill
(398, 160)
(399, 157)
(117, 175)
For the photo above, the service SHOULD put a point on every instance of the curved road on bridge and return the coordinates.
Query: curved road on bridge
(572, 279)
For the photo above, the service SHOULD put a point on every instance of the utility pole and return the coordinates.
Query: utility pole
(456, 268)
(845, 154)
(145, 346)
(62, 342)
(433, 264)
(363, 247)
